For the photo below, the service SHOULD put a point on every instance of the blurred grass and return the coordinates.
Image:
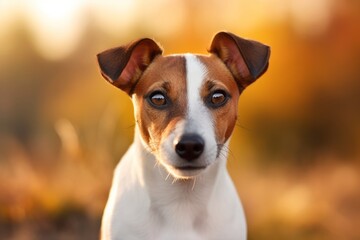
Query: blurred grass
(294, 154)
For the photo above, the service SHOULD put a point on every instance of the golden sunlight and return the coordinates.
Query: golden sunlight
(56, 25)
(311, 17)
(114, 16)
(6, 16)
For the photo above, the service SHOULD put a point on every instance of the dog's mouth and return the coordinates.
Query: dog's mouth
(186, 171)
(190, 168)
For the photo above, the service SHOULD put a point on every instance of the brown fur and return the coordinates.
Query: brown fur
(167, 74)
(221, 78)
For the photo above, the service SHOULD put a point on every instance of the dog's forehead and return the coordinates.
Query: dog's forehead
(216, 70)
(182, 69)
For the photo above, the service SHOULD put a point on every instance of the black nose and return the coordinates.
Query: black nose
(190, 146)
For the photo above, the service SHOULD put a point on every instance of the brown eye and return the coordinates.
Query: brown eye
(158, 99)
(217, 99)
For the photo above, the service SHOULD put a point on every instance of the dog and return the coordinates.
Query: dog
(172, 183)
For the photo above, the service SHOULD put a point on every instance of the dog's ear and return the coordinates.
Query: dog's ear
(123, 66)
(247, 60)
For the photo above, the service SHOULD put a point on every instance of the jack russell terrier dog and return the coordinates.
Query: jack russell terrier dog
(173, 183)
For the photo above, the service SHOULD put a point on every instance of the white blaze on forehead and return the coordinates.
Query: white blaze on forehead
(197, 113)
(195, 72)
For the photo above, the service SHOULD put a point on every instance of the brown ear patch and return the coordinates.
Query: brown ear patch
(123, 66)
(246, 59)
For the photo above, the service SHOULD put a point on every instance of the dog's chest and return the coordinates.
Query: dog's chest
(170, 210)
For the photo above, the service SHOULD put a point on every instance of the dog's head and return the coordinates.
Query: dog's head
(185, 105)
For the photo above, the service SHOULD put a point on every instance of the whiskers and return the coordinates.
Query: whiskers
(230, 153)
(242, 126)
(222, 151)
(189, 183)
(174, 180)
(167, 177)
(194, 183)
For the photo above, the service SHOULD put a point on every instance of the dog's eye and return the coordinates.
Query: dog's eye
(218, 98)
(158, 99)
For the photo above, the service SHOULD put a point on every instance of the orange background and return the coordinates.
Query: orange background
(294, 153)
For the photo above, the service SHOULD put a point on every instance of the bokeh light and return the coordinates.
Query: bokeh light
(56, 26)
(295, 151)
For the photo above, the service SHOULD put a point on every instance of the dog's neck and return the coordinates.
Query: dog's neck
(165, 191)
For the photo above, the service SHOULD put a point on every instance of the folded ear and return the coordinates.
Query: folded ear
(123, 66)
(247, 60)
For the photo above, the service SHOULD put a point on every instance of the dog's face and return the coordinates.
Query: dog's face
(186, 108)
(185, 105)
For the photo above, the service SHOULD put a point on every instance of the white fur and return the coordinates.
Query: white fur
(198, 120)
(147, 202)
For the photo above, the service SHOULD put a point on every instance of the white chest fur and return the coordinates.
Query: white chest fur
(151, 204)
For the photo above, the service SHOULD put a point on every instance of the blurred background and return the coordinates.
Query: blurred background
(295, 153)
